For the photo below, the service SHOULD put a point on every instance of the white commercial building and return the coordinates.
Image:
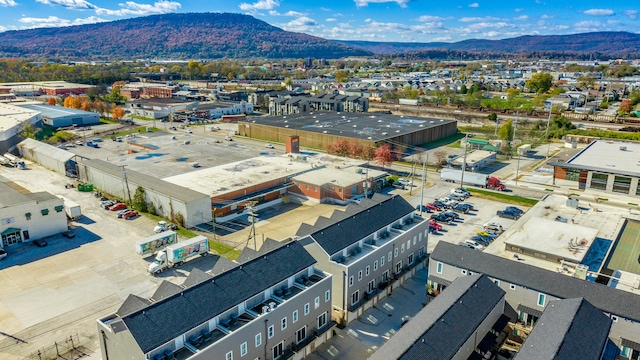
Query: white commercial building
(12, 119)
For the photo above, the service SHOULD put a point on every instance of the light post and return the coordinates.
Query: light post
(464, 161)
(424, 177)
(547, 135)
(515, 126)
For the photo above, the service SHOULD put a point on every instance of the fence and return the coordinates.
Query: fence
(67, 349)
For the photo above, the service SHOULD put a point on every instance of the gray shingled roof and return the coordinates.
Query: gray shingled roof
(607, 299)
(132, 304)
(568, 329)
(164, 320)
(196, 276)
(340, 235)
(440, 329)
(165, 290)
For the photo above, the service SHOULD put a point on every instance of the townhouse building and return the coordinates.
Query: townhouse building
(454, 325)
(274, 305)
(370, 249)
(529, 289)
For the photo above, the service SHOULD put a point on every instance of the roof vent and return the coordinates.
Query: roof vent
(623, 148)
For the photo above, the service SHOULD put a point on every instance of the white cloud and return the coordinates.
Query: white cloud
(301, 24)
(361, 3)
(54, 21)
(599, 12)
(7, 3)
(429, 18)
(476, 19)
(545, 16)
(288, 13)
(70, 4)
(588, 26)
(133, 8)
(521, 18)
(330, 19)
(260, 5)
(474, 5)
(632, 14)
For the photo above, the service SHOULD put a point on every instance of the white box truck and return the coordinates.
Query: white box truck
(71, 208)
(176, 255)
(155, 243)
(471, 178)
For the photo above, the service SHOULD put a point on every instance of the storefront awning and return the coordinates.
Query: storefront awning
(11, 231)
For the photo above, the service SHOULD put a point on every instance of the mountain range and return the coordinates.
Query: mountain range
(227, 35)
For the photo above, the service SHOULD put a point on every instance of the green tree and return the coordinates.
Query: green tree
(341, 76)
(140, 200)
(625, 107)
(463, 89)
(492, 117)
(512, 93)
(540, 83)
(506, 131)
(634, 97)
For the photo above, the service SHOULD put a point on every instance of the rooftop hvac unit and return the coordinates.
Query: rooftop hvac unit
(623, 148)
(572, 203)
(265, 309)
(581, 271)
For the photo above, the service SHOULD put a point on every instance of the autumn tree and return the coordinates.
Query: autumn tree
(355, 148)
(51, 101)
(441, 158)
(512, 93)
(540, 83)
(117, 112)
(86, 105)
(383, 155)
(368, 152)
(341, 76)
(625, 107)
(506, 131)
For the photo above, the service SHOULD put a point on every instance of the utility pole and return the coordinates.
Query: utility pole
(464, 161)
(126, 181)
(515, 126)
(424, 178)
(547, 136)
(252, 219)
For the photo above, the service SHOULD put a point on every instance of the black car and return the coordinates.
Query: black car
(441, 218)
(515, 210)
(451, 215)
(463, 208)
(39, 243)
(439, 204)
(507, 214)
(424, 208)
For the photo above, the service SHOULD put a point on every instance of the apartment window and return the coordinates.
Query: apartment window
(294, 316)
(401, 249)
(496, 281)
(278, 350)
(463, 271)
(307, 186)
(395, 253)
(512, 287)
(420, 237)
(355, 297)
(408, 244)
(270, 332)
(315, 189)
(599, 181)
(350, 281)
(398, 266)
(367, 270)
(301, 334)
(371, 286)
(425, 232)
(385, 276)
(243, 349)
(541, 299)
(382, 261)
(283, 323)
(410, 259)
(439, 268)
(229, 355)
(258, 339)
(415, 240)
(322, 320)
(306, 309)
(375, 266)
(359, 275)
(316, 302)
(327, 295)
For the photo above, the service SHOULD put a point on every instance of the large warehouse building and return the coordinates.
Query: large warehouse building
(604, 165)
(58, 116)
(317, 130)
(12, 120)
(49, 156)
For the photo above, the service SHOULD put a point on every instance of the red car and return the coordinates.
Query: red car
(118, 206)
(433, 207)
(435, 225)
(129, 215)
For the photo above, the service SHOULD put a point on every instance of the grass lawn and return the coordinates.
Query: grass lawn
(502, 197)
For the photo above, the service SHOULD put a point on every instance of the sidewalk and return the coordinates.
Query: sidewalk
(377, 325)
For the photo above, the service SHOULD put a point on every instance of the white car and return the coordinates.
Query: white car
(189, 131)
(460, 192)
(493, 227)
(474, 244)
(404, 181)
(269, 146)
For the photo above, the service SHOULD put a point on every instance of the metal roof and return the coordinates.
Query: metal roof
(49, 150)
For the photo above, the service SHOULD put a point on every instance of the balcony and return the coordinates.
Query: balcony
(315, 333)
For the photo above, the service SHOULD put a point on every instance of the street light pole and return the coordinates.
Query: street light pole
(464, 161)
(424, 176)
(547, 136)
(124, 173)
(515, 126)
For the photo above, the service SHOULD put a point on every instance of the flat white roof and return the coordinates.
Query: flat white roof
(339, 176)
(608, 156)
(553, 237)
(44, 84)
(220, 180)
(472, 157)
(11, 116)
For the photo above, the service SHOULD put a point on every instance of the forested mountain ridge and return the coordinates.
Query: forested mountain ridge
(181, 36)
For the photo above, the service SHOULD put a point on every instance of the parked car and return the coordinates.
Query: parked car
(423, 208)
(507, 215)
(435, 225)
(40, 242)
(404, 181)
(269, 146)
(456, 197)
(441, 218)
(480, 240)
(476, 245)
(118, 206)
(493, 227)
(450, 203)
(462, 243)
(68, 234)
(129, 215)
(122, 212)
(484, 234)
(451, 214)
(461, 192)
(79, 143)
(105, 204)
(439, 204)
(3, 254)
(433, 207)
(515, 210)
(463, 208)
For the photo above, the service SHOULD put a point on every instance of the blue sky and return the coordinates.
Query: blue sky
(375, 20)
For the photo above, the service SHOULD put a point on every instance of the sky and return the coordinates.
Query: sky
(373, 20)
